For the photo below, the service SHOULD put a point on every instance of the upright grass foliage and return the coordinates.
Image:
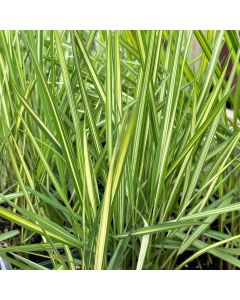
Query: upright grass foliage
(116, 149)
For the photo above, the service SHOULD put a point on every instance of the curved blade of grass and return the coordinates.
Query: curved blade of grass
(207, 249)
(165, 226)
(57, 234)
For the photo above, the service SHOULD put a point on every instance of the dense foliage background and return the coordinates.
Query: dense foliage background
(117, 151)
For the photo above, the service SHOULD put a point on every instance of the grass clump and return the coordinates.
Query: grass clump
(117, 151)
